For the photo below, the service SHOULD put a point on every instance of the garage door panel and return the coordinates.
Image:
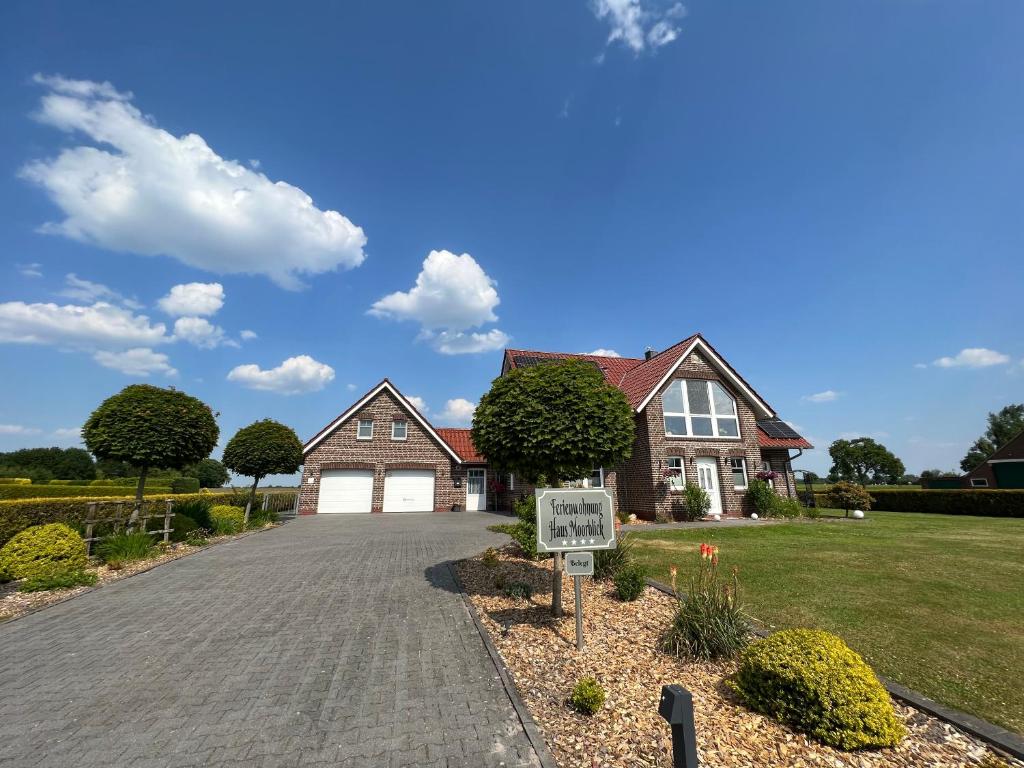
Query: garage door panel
(345, 491)
(409, 490)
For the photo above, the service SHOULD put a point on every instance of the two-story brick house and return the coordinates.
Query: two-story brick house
(697, 421)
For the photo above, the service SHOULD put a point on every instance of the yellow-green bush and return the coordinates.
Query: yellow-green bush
(587, 696)
(73, 491)
(227, 519)
(15, 481)
(42, 550)
(813, 682)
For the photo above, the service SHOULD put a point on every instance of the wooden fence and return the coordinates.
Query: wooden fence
(122, 520)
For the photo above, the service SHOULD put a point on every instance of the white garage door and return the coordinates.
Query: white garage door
(409, 490)
(345, 490)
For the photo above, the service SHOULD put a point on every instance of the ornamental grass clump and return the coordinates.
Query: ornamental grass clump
(813, 682)
(43, 550)
(709, 622)
(609, 562)
(587, 696)
(124, 548)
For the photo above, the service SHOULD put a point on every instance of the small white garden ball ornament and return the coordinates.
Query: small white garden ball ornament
(753, 515)
(716, 517)
(858, 514)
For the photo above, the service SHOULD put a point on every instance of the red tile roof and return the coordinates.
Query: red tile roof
(780, 442)
(461, 441)
(613, 368)
(638, 382)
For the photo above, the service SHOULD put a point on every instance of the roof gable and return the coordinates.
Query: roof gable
(384, 385)
(461, 440)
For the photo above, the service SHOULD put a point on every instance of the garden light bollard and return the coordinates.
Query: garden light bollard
(676, 706)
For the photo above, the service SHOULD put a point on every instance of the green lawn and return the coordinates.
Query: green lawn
(935, 602)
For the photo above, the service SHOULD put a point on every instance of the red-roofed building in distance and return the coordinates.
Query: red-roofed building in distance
(697, 421)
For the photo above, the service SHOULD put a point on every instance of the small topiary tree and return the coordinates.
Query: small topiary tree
(42, 550)
(811, 681)
(847, 496)
(151, 427)
(263, 448)
(558, 420)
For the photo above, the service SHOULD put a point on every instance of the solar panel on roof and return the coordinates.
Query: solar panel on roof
(777, 428)
(526, 361)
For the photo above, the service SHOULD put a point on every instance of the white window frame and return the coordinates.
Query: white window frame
(682, 473)
(687, 415)
(599, 471)
(405, 429)
(979, 482)
(766, 466)
(732, 471)
(359, 429)
(511, 481)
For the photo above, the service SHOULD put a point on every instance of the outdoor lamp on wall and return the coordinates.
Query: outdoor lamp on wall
(457, 482)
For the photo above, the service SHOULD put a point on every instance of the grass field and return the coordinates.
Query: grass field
(935, 602)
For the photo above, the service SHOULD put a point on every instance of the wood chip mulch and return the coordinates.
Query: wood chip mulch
(14, 603)
(622, 652)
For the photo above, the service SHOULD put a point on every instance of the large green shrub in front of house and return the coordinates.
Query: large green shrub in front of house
(227, 520)
(41, 550)
(763, 497)
(813, 682)
(524, 531)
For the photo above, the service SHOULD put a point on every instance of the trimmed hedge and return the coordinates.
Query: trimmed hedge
(43, 549)
(185, 485)
(15, 481)
(71, 491)
(65, 482)
(988, 502)
(17, 515)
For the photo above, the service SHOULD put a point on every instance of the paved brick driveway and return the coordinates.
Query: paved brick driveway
(334, 640)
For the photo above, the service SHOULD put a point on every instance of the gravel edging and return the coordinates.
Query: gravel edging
(87, 590)
(1000, 738)
(533, 733)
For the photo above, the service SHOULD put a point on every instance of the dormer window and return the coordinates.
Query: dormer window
(365, 429)
(399, 429)
(699, 408)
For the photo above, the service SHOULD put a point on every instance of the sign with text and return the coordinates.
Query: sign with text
(574, 519)
(579, 564)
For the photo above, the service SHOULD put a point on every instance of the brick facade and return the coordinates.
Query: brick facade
(643, 489)
(342, 450)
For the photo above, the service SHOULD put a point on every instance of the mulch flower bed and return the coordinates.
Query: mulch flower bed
(623, 653)
(14, 603)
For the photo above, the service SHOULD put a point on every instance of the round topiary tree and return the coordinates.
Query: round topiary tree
(42, 550)
(263, 448)
(558, 420)
(210, 473)
(149, 426)
(847, 496)
(813, 682)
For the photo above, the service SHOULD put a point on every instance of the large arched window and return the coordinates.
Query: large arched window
(699, 408)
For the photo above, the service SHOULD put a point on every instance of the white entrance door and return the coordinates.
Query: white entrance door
(476, 490)
(345, 491)
(409, 490)
(707, 478)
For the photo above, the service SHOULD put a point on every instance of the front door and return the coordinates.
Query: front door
(707, 478)
(476, 490)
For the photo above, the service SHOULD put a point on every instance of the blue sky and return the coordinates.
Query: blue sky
(829, 192)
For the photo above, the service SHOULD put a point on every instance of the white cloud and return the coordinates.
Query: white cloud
(452, 294)
(88, 291)
(193, 299)
(639, 25)
(18, 429)
(248, 335)
(853, 435)
(151, 193)
(601, 352)
(822, 397)
(136, 362)
(68, 432)
(973, 357)
(418, 403)
(201, 332)
(920, 365)
(98, 325)
(457, 411)
(294, 376)
(459, 343)
(34, 269)
(350, 387)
